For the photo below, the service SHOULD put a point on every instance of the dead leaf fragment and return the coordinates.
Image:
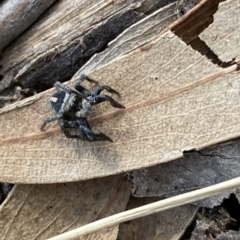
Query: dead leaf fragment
(224, 41)
(43, 211)
(167, 225)
(175, 100)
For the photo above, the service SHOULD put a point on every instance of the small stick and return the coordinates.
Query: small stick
(150, 209)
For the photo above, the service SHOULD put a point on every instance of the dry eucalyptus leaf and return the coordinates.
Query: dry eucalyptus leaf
(167, 225)
(43, 211)
(196, 170)
(175, 100)
(194, 23)
(224, 41)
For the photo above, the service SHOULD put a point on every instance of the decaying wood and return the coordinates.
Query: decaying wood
(175, 100)
(62, 41)
(231, 235)
(199, 232)
(16, 16)
(167, 225)
(43, 211)
(215, 224)
(132, 38)
(23, 103)
(218, 35)
(184, 6)
(150, 6)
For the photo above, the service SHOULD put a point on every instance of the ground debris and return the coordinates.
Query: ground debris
(219, 222)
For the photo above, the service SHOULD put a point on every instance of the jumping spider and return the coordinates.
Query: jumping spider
(72, 106)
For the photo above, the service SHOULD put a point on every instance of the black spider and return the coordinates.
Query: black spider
(72, 107)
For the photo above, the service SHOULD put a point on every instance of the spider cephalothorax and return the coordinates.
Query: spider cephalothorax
(72, 106)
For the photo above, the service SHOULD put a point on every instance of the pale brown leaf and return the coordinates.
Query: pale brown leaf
(167, 225)
(152, 208)
(225, 31)
(175, 100)
(43, 211)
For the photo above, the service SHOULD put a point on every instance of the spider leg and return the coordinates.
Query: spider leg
(63, 87)
(50, 119)
(97, 90)
(103, 98)
(81, 89)
(85, 77)
(69, 124)
(85, 93)
(87, 134)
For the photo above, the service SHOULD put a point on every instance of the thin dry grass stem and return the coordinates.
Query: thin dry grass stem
(150, 209)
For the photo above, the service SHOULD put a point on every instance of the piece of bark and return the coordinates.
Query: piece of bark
(237, 194)
(175, 99)
(196, 170)
(149, 6)
(184, 6)
(5, 189)
(167, 225)
(199, 232)
(43, 211)
(60, 54)
(214, 223)
(150, 26)
(195, 21)
(230, 235)
(16, 16)
(63, 40)
(66, 63)
(135, 36)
